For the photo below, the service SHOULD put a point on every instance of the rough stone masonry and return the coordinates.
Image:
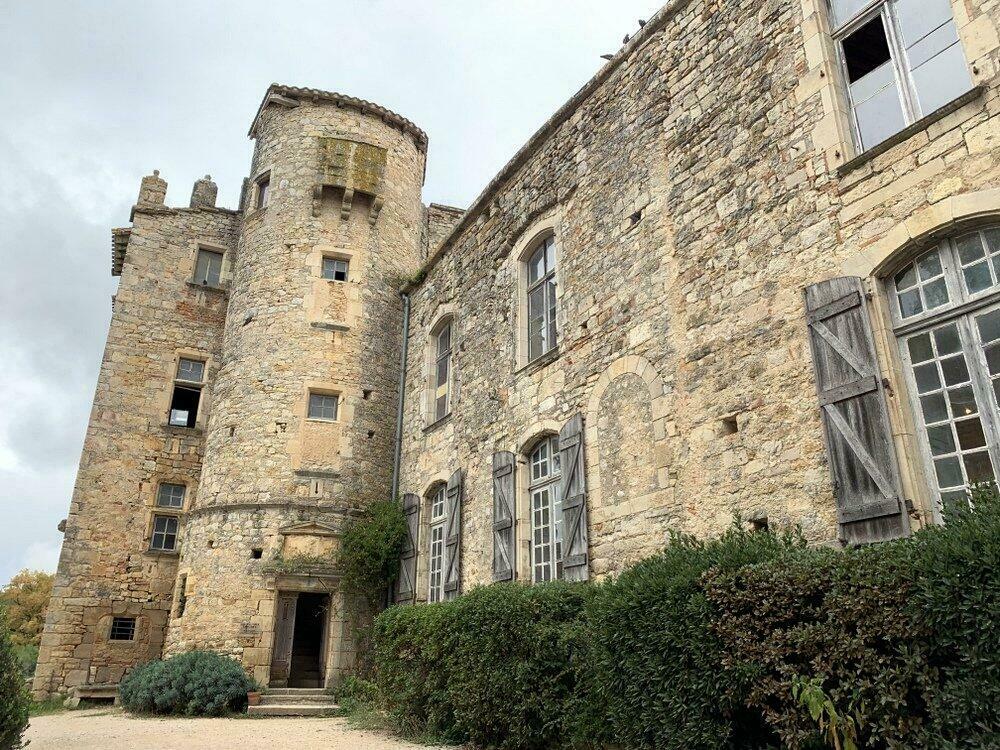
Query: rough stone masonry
(611, 343)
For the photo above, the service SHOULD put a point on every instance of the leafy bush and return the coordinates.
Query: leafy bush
(14, 700)
(370, 549)
(656, 661)
(955, 601)
(198, 683)
(27, 657)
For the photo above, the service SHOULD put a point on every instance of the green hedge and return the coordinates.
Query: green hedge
(14, 699)
(701, 646)
(198, 683)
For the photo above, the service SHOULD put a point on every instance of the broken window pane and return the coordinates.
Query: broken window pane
(335, 269)
(208, 270)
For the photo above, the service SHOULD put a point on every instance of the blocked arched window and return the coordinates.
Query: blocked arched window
(946, 317)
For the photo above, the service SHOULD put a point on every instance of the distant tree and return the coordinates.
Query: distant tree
(13, 694)
(26, 599)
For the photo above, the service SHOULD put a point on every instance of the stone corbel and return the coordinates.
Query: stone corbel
(345, 206)
(377, 204)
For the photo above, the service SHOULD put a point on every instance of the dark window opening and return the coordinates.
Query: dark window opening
(730, 426)
(759, 525)
(256, 553)
(635, 218)
(181, 595)
(866, 49)
(122, 629)
(184, 406)
(263, 192)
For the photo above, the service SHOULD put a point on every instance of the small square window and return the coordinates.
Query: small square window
(208, 270)
(335, 269)
(323, 406)
(122, 629)
(164, 533)
(263, 191)
(170, 496)
(190, 370)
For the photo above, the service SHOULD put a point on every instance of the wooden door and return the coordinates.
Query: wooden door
(284, 632)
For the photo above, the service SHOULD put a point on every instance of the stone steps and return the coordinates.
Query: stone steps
(294, 702)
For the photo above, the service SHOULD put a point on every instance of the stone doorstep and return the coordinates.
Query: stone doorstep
(283, 700)
(294, 702)
(91, 692)
(304, 709)
(296, 691)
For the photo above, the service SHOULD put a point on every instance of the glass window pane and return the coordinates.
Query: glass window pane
(996, 391)
(941, 440)
(956, 500)
(845, 10)
(978, 467)
(993, 359)
(910, 304)
(936, 293)
(934, 408)
(949, 472)
(880, 116)
(536, 266)
(930, 266)
(989, 326)
(942, 79)
(970, 248)
(963, 401)
(970, 434)
(906, 278)
(920, 348)
(978, 277)
(927, 378)
(550, 254)
(442, 372)
(955, 370)
(917, 18)
(947, 340)
(993, 239)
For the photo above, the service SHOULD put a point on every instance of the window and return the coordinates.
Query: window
(323, 406)
(122, 629)
(187, 393)
(181, 595)
(441, 373)
(542, 299)
(546, 511)
(946, 306)
(208, 269)
(903, 60)
(335, 269)
(170, 496)
(164, 534)
(435, 551)
(263, 191)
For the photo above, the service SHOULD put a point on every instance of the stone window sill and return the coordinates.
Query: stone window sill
(221, 289)
(177, 430)
(438, 423)
(161, 553)
(911, 130)
(540, 362)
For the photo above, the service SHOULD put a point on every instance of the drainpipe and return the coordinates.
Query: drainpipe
(402, 395)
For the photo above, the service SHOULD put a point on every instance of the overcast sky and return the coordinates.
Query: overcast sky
(97, 93)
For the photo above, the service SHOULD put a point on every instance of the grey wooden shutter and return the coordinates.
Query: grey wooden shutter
(281, 661)
(453, 537)
(503, 516)
(406, 582)
(855, 420)
(573, 491)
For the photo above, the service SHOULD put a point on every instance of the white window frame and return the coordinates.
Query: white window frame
(963, 308)
(170, 495)
(323, 406)
(335, 263)
(899, 58)
(545, 510)
(549, 283)
(441, 357)
(437, 527)
(184, 383)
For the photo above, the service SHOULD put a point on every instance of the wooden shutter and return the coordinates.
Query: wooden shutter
(406, 582)
(503, 516)
(453, 537)
(573, 486)
(855, 420)
(281, 660)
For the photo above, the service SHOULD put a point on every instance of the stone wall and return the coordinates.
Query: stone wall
(694, 187)
(106, 567)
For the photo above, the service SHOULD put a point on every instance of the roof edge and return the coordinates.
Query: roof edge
(654, 25)
(341, 100)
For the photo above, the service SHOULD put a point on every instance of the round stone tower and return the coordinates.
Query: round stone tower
(302, 412)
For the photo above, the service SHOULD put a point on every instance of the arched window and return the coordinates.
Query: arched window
(546, 510)
(541, 290)
(435, 543)
(441, 371)
(946, 315)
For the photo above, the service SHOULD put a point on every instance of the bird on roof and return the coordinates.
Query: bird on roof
(625, 40)
(642, 22)
(606, 57)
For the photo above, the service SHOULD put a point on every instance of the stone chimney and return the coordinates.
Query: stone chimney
(153, 190)
(204, 193)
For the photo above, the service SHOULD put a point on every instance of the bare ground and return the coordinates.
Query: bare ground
(107, 729)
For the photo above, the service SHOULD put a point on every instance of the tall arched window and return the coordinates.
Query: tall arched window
(541, 276)
(946, 314)
(546, 511)
(441, 371)
(435, 543)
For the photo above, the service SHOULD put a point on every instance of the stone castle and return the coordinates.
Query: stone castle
(752, 267)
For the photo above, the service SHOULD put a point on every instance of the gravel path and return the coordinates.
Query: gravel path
(106, 729)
